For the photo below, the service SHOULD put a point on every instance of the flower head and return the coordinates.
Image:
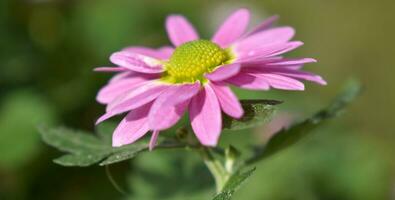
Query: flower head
(157, 86)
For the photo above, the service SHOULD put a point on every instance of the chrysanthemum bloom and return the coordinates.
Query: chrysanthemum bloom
(157, 86)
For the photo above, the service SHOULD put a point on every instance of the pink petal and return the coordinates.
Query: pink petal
(167, 51)
(136, 62)
(169, 107)
(261, 61)
(132, 127)
(132, 74)
(103, 118)
(110, 69)
(297, 61)
(232, 28)
(281, 82)
(180, 30)
(111, 91)
(162, 53)
(228, 100)
(277, 61)
(286, 48)
(154, 139)
(224, 72)
(293, 67)
(304, 76)
(179, 93)
(141, 95)
(205, 115)
(264, 38)
(122, 75)
(166, 117)
(292, 73)
(258, 53)
(264, 25)
(248, 81)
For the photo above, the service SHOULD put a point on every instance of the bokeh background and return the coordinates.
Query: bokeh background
(48, 49)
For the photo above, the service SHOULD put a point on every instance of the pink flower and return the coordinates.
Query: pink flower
(157, 86)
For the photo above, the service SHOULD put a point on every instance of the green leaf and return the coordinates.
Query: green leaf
(126, 153)
(87, 149)
(130, 151)
(72, 141)
(233, 185)
(295, 133)
(80, 160)
(256, 112)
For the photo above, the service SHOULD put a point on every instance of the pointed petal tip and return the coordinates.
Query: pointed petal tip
(286, 31)
(116, 143)
(322, 81)
(309, 60)
(114, 57)
(297, 87)
(318, 79)
(301, 87)
(239, 115)
(296, 43)
(98, 69)
(100, 99)
(244, 11)
(103, 118)
(109, 69)
(171, 17)
(211, 143)
(241, 12)
(153, 141)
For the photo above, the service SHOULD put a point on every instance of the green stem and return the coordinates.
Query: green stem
(113, 182)
(218, 171)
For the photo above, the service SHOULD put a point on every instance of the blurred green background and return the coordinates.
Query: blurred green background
(48, 51)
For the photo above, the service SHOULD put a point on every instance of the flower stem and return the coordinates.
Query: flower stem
(113, 182)
(216, 168)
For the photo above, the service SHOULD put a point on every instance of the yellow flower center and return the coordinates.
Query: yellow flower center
(190, 61)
